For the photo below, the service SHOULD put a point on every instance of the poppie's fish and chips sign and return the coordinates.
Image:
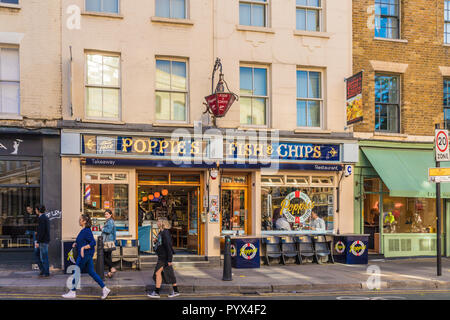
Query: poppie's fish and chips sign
(166, 148)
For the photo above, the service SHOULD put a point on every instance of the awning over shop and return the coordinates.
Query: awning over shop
(405, 171)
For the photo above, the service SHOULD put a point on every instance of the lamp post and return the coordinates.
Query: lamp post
(218, 103)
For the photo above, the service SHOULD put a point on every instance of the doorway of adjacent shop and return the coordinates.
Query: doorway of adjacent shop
(176, 197)
(235, 204)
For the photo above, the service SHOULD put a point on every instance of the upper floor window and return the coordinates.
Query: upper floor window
(387, 103)
(253, 13)
(10, 1)
(9, 81)
(171, 90)
(387, 22)
(309, 98)
(447, 22)
(309, 15)
(108, 6)
(253, 95)
(447, 103)
(175, 9)
(103, 86)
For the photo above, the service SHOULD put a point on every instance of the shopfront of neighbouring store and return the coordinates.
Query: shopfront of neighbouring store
(29, 176)
(205, 195)
(394, 201)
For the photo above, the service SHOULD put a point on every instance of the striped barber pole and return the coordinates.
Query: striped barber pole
(87, 193)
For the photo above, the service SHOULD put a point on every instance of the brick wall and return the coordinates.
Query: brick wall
(422, 84)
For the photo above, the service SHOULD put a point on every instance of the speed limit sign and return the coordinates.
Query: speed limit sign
(441, 145)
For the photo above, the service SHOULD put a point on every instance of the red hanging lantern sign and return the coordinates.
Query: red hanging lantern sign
(219, 103)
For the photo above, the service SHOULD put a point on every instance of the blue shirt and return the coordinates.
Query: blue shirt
(85, 237)
(109, 231)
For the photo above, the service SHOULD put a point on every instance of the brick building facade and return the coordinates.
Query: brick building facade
(400, 46)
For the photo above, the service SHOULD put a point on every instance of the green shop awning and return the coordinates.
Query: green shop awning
(405, 171)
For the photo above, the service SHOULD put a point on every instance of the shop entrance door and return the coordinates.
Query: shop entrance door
(177, 199)
(234, 210)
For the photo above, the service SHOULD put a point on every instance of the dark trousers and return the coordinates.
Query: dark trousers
(108, 259)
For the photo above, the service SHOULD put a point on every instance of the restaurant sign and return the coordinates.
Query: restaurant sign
(198, 149)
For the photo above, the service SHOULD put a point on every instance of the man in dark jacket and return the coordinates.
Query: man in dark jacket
(41, 243)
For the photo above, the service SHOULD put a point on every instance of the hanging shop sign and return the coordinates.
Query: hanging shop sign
(165, 148)
(354, 98)
(297, 211)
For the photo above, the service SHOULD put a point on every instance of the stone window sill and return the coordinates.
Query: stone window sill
(255, 29)
(9, 116)
(171, 124)
(314, 34)
(10, 6)
(318, 131)
(181, 22)
(447, 45)
(102, 14)
(389, 134)
(391, 40)
(103, 121)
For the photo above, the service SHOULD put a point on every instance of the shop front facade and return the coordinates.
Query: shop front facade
(394, 201)
(206, 186)
(29, 176)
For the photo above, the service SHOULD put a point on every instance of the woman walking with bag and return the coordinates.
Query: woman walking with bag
(85, 244)
(109, 240)
(164, 250)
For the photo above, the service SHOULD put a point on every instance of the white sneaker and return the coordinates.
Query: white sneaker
(174, 294)
(154, 295)
(105, 293)
(70, 295)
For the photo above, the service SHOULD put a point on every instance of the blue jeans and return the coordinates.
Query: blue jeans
(87, 263)
(41, 255)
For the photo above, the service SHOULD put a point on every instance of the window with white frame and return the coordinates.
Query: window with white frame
(171, 90)
(447, 103)
(253, 13)
(309, 98)
(106, 6)
(175, 9)
(387, 103)
(387, 19)
(309, 14)
(447, 21)
(102, 86)
(9, 81)
(253, 95)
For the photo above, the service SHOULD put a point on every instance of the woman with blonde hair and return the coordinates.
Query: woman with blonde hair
(164, 268)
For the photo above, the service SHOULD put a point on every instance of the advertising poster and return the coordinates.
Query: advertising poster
(354, 99)
(214, 209)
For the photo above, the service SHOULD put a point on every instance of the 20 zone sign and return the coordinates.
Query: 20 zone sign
(442, 152)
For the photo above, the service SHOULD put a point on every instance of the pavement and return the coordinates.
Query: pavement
(407, 274)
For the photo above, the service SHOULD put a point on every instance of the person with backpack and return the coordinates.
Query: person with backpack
(164, 268)
(109, 239)
(85, 243)
(41, 242)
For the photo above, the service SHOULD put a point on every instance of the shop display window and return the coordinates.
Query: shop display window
(409, 215)
(103, 191)
(19, 194)
(289, 207)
